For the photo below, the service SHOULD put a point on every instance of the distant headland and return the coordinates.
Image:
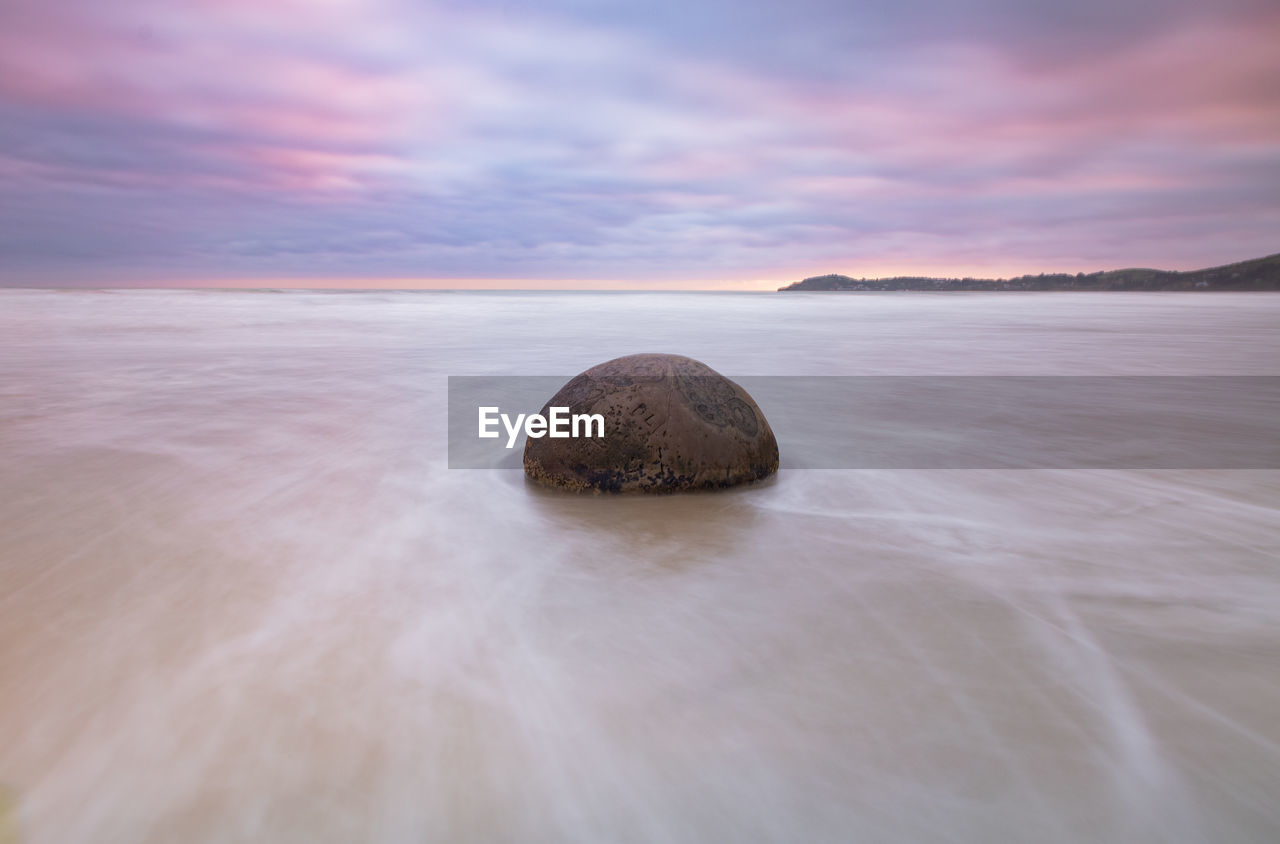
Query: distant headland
(1258, 274)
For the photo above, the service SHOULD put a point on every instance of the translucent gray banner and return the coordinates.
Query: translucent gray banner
(949, 422)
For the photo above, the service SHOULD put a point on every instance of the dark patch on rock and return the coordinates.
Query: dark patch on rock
(670, 424)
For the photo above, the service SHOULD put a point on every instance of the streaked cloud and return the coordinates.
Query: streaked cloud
(142, 140)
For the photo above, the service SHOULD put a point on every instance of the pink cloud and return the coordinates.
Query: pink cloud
(554, 144)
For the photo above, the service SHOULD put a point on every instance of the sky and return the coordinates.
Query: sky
(661, 144)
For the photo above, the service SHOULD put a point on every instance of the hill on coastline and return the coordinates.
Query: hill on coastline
(1257, 274)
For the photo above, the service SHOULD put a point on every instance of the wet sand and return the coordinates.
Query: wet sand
(243, 598)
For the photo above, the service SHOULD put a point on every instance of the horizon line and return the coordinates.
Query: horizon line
(457, 284)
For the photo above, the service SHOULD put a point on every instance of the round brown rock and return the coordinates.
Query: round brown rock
(670, 424)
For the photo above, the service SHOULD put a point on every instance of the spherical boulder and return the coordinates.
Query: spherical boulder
(670, 424)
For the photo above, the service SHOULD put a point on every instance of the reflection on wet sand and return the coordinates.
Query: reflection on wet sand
(243, 598)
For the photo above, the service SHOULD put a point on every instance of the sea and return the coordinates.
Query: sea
(245, 597)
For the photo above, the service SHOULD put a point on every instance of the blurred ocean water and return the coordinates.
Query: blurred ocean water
(243, 597)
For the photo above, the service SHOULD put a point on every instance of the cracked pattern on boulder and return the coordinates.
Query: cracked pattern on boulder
(671, 424)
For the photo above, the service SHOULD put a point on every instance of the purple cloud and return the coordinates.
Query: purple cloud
(358, 140)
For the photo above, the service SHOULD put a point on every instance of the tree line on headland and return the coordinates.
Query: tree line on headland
(1258, 274)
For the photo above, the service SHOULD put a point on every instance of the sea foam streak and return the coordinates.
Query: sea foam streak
(243, 598)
